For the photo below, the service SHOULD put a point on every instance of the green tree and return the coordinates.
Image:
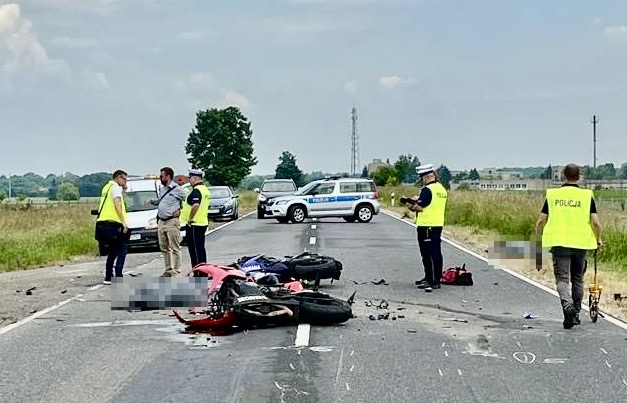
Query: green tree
(287, 169)
(623, 171)
(68, 191)
(473, 175)
(405, 168)
(548, 173)
(385, 175)
(606, 171)
(445, 176)
(460, 176)
(3, 196)
(221, 145)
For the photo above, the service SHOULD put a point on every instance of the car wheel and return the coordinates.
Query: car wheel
(297, 214)
(283, 220)
(350, 219)
(364, 213)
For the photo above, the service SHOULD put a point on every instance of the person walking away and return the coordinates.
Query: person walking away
(570, 227)
(111, 224)
(168, 225)
(430, 210)
(196, 210)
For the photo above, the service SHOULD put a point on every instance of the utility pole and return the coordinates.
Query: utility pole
(594, 140)
(354, 144)
(9, 188)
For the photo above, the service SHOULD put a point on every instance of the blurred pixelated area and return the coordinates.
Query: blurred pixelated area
(508, 248)
(154, 293)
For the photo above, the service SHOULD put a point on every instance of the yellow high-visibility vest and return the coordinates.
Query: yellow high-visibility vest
(108, 211)
(186, 209)
(202, 215)
(569, 223)
(433, 214)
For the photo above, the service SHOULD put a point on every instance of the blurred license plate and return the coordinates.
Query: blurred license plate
(135, 237)
(213, 211)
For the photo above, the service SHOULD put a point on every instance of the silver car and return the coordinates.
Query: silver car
(223, 203)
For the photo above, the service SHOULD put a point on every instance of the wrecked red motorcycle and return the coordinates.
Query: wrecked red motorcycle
(235, 300)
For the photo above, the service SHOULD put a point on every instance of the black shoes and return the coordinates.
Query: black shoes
(429, 287)
(422, 280)
(570, 318)
(576, 320)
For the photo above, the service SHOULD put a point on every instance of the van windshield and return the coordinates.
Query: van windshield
(136, 201)
(278, 187)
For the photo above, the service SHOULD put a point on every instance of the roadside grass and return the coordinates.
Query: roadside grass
(477, 219)
(36, 236)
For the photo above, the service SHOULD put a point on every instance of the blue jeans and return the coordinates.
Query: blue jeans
(116, 255)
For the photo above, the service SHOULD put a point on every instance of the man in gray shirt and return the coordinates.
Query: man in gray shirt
(169, 228)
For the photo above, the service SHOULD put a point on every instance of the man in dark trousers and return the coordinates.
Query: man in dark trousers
(197, 206)
(570, 227)
(430, 209)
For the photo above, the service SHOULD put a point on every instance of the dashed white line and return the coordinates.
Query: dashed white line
(446, 353)
(348, 388)
(459, 371)
(94, 287)
(292, 366)
(625, 382)
(604, 351)
(312, 240)
(352, 368)
(441, 373)
(313, 226)
(302, 335)
(352, 353)
(608, 364)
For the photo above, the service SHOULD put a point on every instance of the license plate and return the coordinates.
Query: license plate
(213, 211)
(135, 237)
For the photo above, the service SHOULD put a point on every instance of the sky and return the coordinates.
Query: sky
(96, 85)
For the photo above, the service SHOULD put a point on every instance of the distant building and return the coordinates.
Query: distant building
(375, 165)
(509, 184)
(499, 174)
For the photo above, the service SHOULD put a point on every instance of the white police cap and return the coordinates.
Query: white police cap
(425, 169)
(195, 172)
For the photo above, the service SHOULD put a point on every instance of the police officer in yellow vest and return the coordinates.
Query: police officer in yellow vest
(570, 227)
(195, 213)
(430, 208)
(111, 225)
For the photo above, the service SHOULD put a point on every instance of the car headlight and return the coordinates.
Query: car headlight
(262, 198)
(281, 202)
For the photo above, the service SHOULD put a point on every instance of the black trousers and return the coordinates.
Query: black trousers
(195, 239)
(430, 245)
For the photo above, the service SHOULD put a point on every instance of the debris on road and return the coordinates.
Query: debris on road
(529, 315)
(30, 291)
(455, 320)
(380, 282)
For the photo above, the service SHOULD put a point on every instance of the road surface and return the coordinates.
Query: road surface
(456, 344)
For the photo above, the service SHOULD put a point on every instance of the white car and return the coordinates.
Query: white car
(350, 198)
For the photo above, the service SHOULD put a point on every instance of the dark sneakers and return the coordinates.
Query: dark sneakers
(421, 281)
(429, 287)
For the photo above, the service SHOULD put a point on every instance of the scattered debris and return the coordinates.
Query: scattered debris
(456, 320)
(529, 315)
(358, 283)
(135, 274)
(63, 292)
(30, 291)
(380, 282)
(412, 331)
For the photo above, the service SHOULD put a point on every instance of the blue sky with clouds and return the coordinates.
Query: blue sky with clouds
(93, 85)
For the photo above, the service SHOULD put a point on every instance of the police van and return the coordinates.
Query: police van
(142, 217)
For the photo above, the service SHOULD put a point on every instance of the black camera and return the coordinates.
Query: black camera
(408, 200)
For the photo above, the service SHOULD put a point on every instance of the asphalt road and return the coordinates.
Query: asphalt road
(456, 344)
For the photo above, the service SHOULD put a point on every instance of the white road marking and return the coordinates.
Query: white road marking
(524, 357)
(352, 353)
(348, 388)
(607, 317)
(440, 372)
(446, 353)
(302, 335)
(37, 314)
(608, 364)
(625, 382)
(313, 226)
(78, 297)
(292, 366)
(352, 368)
(555, 360)
(604, 351)
(312, 240)
(459, 371)
(339, 365)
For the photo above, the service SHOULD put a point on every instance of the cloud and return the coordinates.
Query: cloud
(232, 98)
(598, 20)
(24, 59)
(390, 82)
(616, 32)
(20, 49)
(73, 43)
(96, 81)
(195, 36)
(350, 86)
(195, 83)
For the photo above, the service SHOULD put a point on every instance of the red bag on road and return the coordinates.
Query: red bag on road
(457, 276)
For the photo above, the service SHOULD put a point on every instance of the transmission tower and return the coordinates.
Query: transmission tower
(595, 121)
(354, 144)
